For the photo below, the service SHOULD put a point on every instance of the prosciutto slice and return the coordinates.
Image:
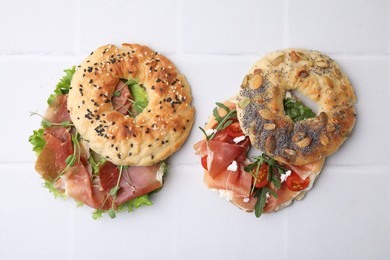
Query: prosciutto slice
(135, 181)
(79, 185)
(305, 170)
(219, 155)
(57, 111)
(122, 102)
(239, 182)
(51, 160)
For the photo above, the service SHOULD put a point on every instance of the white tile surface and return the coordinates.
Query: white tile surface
(150, 23)
(41, 26)
(33, 224)
(339, 26)
(342, 220)
(231, 27)
(33, 91)
(213, 43)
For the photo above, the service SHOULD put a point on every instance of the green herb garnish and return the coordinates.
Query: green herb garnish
(95, 165)
(261, 195)
(46, 123)
(223, 122)
(274, 172)
(64, 84)
(296, 110)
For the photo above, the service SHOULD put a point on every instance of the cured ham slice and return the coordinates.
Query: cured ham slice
(305, 170)
(135, 181)
(219, 155)
(57, 111)
(121, 101)
(51, 161)
(239, 182)
(78, 185)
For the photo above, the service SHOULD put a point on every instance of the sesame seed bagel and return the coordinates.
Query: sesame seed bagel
(261, 113)
(147, 138)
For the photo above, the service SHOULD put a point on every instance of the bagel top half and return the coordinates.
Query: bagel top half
(151, 136)
(261, 113)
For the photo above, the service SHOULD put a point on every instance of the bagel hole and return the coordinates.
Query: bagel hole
(130, 97)
(307, 102)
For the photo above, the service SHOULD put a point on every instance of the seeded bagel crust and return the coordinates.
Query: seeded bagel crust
(151, 136)
(261, 113)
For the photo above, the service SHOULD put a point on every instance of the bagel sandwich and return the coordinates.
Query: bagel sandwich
(111, 124)
(266, 117)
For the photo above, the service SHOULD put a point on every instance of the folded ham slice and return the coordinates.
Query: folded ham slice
(135, 181)
(51, 161)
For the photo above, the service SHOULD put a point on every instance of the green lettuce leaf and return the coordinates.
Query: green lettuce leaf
(64, 84)
(37, 140)
(139, 94)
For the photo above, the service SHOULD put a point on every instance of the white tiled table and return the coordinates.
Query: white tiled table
(346, 215)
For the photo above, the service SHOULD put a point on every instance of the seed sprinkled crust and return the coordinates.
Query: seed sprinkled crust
(261, 113)
(169, 105)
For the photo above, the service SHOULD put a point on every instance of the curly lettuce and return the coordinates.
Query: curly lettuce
(64, 84)
(37, 140)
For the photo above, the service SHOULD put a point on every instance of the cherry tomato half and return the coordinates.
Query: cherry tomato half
(262, 177)
(204, 162)
(295, 183)
(234, 130)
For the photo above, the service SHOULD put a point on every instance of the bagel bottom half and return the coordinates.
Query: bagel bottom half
(226, 163)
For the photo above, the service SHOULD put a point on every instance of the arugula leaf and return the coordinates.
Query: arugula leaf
(274, 173)
(223, 122)
(63, 86)
(296, 110)
(37, 140)
(261, 201)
